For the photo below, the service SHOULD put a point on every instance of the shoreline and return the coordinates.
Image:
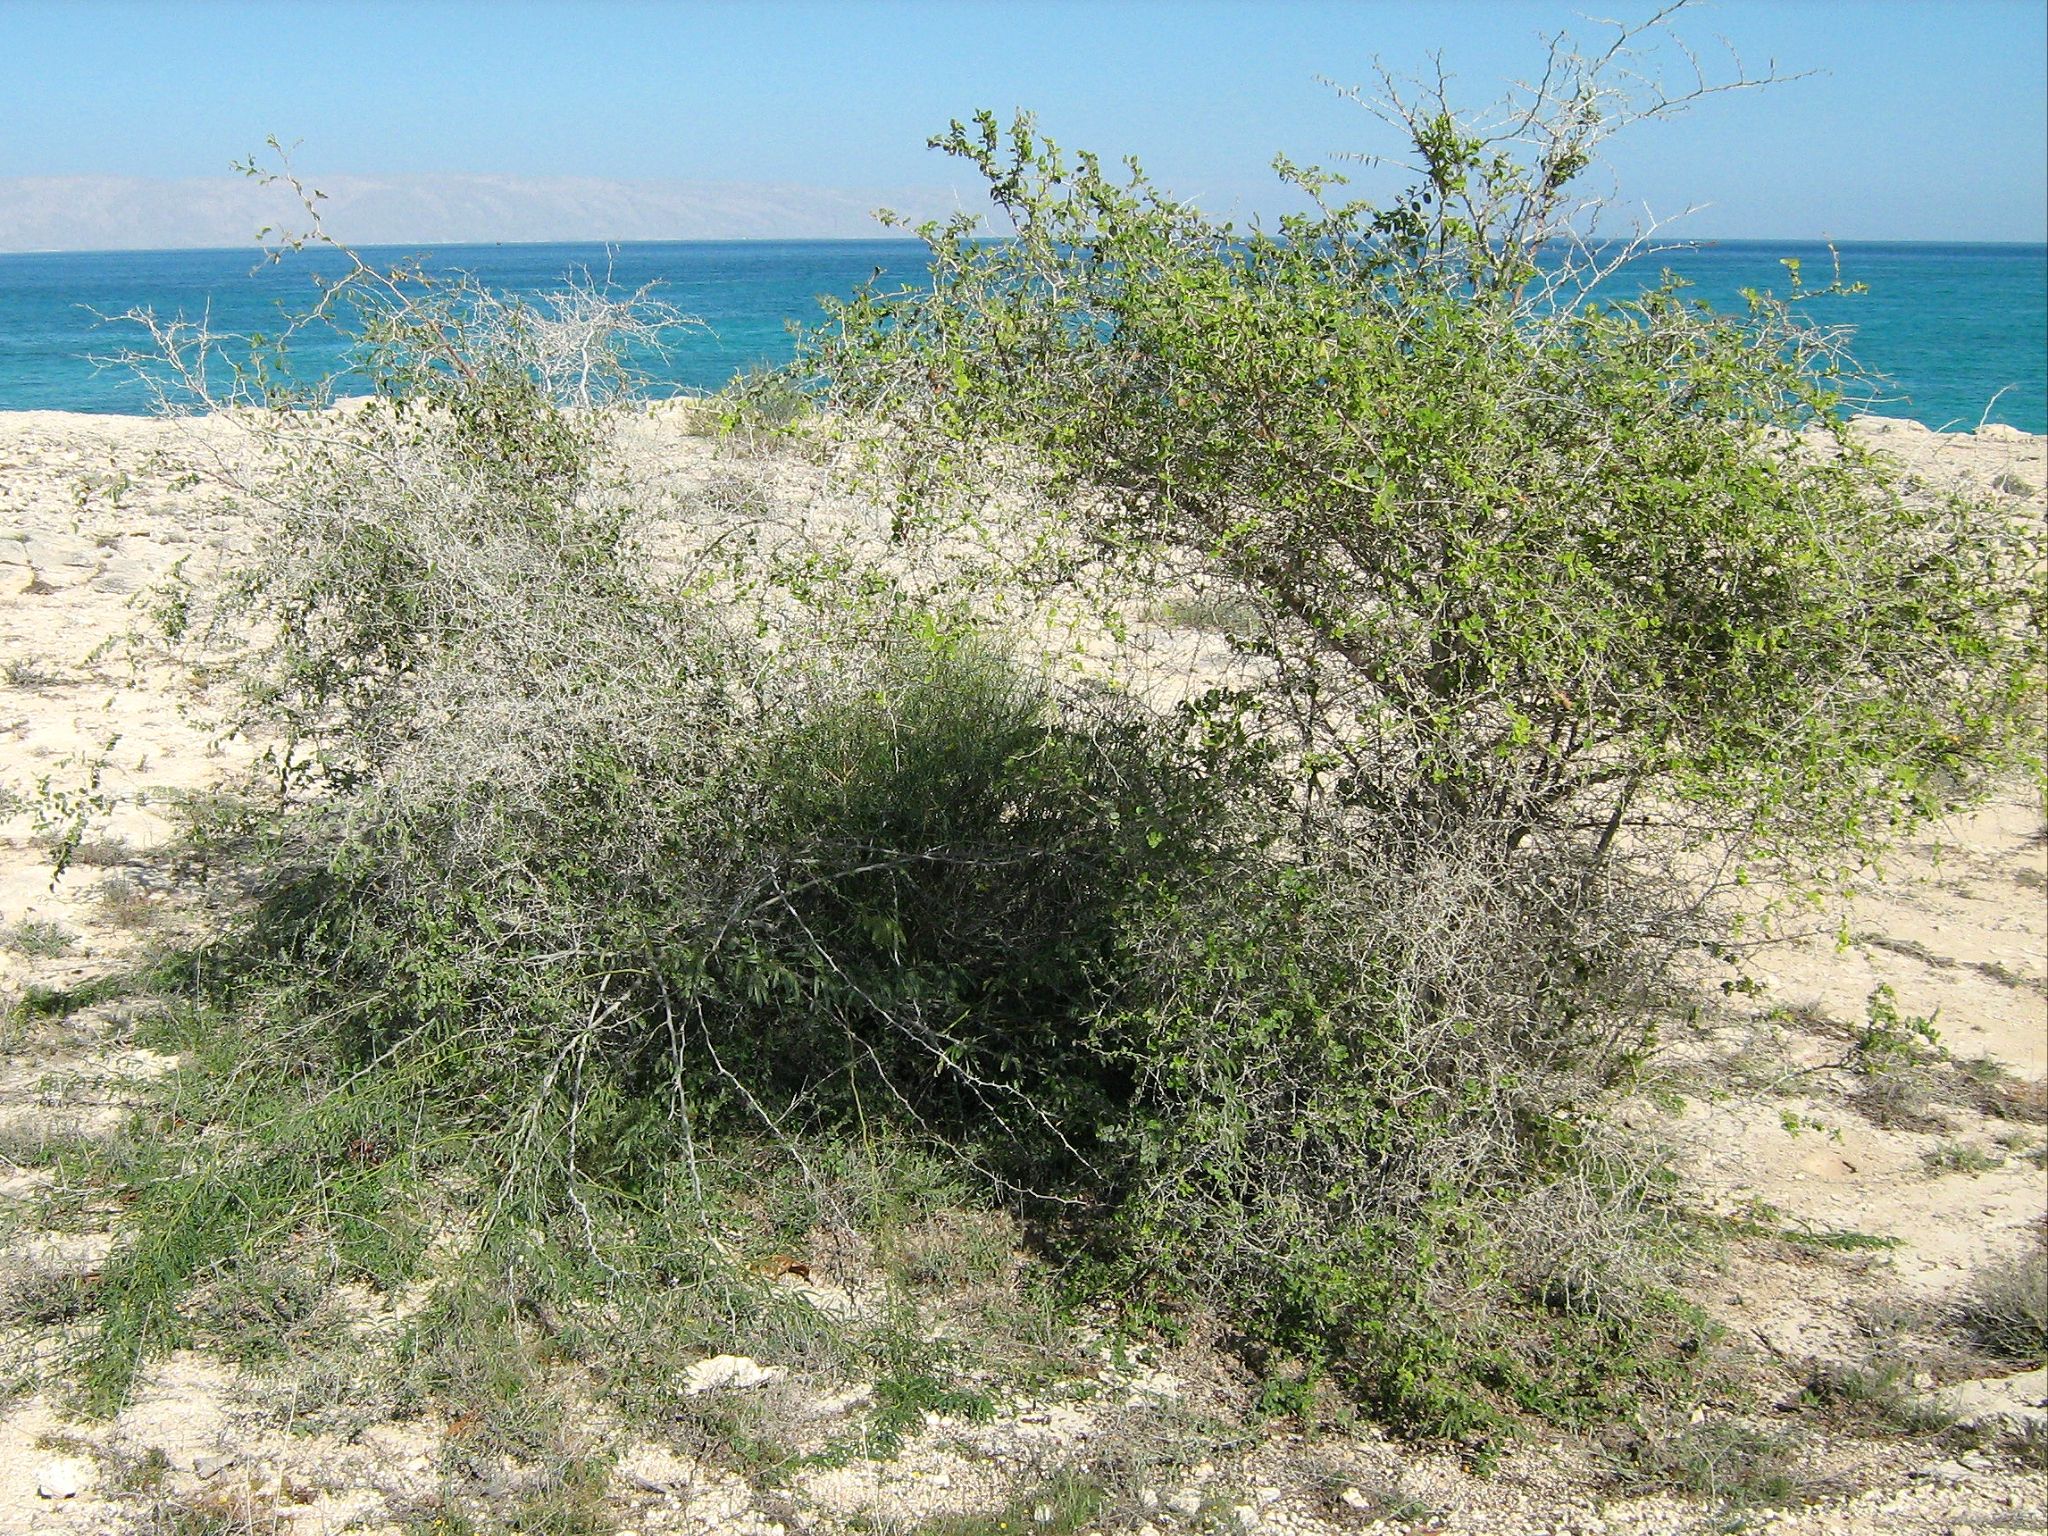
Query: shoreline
(1991, 431)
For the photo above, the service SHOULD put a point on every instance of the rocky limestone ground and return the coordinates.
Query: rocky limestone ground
(1860, 1212)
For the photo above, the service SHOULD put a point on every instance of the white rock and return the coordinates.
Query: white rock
(126, 573)
(1246, 1517)
(1148, 1498)
(2015, 1404)
(63, 1477)
(1354, 1499)
(50, 552)
(727, 1373)
(1160, 1384)
(1945, 1472)
(845, 1401)
(1187, 1502)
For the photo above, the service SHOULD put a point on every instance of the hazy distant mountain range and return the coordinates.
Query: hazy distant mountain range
(85, 213)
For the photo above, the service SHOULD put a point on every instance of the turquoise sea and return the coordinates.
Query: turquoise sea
(1960, 331)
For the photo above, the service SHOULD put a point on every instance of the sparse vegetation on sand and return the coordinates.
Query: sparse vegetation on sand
(759, 948)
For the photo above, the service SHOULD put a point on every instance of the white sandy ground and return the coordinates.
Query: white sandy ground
(93, 510)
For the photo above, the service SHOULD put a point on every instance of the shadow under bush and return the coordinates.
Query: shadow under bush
(660, 1004)
(898, 904)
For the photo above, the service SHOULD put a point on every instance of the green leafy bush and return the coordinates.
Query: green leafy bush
(1526, 549)
(1555, 602)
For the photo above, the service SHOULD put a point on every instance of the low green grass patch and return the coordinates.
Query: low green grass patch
(1960, 1157)
(1729, 1462)
(1063, 1505)
(1759, 1218)
(38, 939)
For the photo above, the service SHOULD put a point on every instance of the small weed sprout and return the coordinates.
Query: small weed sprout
(2006, 1308)
(68, 806)
(38, 938)
(1893, 1054)
(1960, 1157)
(1890, 1040)
(125, 903)
(1735, 1464)
(28, 675)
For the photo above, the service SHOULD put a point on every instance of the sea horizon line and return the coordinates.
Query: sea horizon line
(909, 237)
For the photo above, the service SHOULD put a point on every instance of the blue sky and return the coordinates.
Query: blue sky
(1927, 121)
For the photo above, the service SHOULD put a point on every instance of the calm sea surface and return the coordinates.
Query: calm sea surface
(1960, 331)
